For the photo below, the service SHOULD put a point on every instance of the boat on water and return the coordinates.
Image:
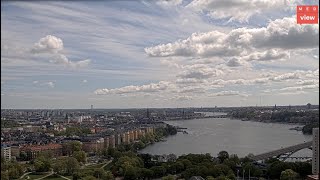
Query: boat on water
(185, 132)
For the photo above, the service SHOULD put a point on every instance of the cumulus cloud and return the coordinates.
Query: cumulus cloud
(199, 71)
(307, 82)
(300, 88)
(167, 3)
(48, 44)
(292, 93)
(63, 60)
(181, 98)
(272, 42)
(48, 84)
(286, 76)
(235, 10)
(84, 81)
(170, 63)
(54, 45)
(229, 93)
(235, 62)
(189, 81)
(149, 88)
(272, 54)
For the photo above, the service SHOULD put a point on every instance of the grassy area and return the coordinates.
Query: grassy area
(53, 178)
(107, 167)
(34, 176)
(94, 166)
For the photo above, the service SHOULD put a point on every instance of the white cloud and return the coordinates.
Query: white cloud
(236, 10)
(149, 88)
(84, 81)
(49, 84)
(199, 71)
(286, 76)
(235, 62)
(48, 44)
(300, 88)
(307, 82)
(54, 45)
(229, 93)
(63, 60)
(180, 98)
(189, 81)
(169, 63)
(272, 54)
(167, 3)
(292, 93)
(266, 43)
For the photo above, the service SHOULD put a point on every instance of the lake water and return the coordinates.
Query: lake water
(213, 135)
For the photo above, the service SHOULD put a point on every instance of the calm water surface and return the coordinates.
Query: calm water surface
(235, 136)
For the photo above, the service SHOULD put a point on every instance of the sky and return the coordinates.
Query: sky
(157, 53)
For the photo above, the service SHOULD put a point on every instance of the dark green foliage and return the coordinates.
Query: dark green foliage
(307, 129)
(11, 170)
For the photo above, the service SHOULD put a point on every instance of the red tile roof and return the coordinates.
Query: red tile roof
(42, 147)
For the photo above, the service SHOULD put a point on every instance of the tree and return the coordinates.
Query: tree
(303, 168)
(90, 177)
(222, 155)
(147, 160)
(179, 167)
(59, 166)
(138, 145)
(186, 163)
(70, 147)
(11, 170)
(231, 175)
(275, 169)
(130, 172)
(80, 156)
(4, 175)
(72, 165)
(42, 164)
(145, 173)
(222, 178)
(109, 176)
(288, 174)
(102, 174)
(158, 171)
(66, 165)
(169, 177)
(223, 169)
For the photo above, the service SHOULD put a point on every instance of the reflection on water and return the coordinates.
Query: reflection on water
(235, 136)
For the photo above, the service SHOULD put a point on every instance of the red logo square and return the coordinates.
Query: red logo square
(307, 14)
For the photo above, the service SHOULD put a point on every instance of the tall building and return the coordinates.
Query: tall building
(315, 151)
(6, 152)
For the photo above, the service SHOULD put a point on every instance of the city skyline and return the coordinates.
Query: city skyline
(133, 54)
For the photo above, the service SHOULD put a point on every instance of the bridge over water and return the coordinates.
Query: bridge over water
(283, 151)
